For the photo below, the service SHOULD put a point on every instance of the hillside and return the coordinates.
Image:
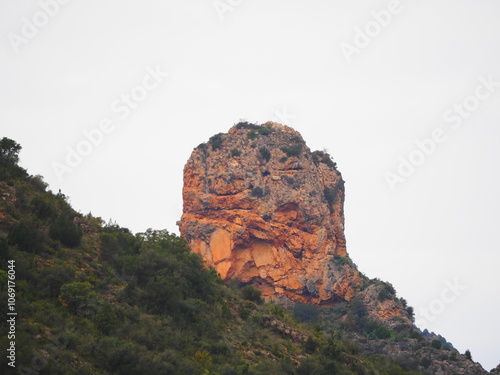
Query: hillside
(93, 298)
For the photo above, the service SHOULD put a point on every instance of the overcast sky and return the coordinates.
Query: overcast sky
(404, 95)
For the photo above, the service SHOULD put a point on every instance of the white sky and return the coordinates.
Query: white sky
(281, 60)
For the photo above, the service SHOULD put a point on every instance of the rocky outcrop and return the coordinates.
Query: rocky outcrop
(429, 360)
(260, 206)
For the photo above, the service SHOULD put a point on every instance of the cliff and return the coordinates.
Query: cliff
(261, 207)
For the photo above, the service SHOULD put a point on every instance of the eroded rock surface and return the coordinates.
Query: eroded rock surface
(260, 206)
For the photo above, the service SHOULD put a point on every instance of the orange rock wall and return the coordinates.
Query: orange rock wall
(264, 209)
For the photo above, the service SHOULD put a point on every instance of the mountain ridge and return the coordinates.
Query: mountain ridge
(93, 298)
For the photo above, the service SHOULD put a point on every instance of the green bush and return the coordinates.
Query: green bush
(387, 292)
(330, 194)
(235, 152)
(306, 312)
(256, 130)
(257, 192)
(342, 261)
(76, 294)
(425, 362)
(64, 230)
(416, 335)
(216, 141)
(119, 356)
(292, 150)
(323, 157)
(252, 294)
(116, 246)
(25, 236)
(252, 134)
(382, 332)
(52, 278)
(436, 344)
(9, 151)
(468, 355)
(106, 319)
(265, 153)
(311, 345)
(246, 125)
(410, 311)
(265, 130)
(43, 207)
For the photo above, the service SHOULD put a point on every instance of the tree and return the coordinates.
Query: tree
(468, 355)
(64, 230)
(9, 151)
(106, 319)
(25, 236)
(306, 312)
(436, 344)
(75, 295)
(52, 278)
(252, 294)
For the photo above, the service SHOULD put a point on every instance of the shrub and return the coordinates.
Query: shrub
(410, 312)
(289, 179)
(76, 294)
(25, 236)
(416, 335)
(246, 125)
(118, 356)
(306, 312)
(216, 141)
(235, 152)
(313, 366)
(436, 344)
(53, 278)
(265, 153)
(252, 294)
(43, 207)
(202, 147)
(342, 261)
(382, 332)
(252, 134)
(257, 192)
(323, 157)
(468, 355)
(293, 150)
(256, 130)
(311, 345)
(38, 183)
(330, 194)
(387, 292)
(283, 159)
(357, 315)
(425, 362)
(106, 319)
(116, 245)
(9, 151)
(64, 230)
(265, 130)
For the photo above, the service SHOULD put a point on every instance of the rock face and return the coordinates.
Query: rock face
(260, 206)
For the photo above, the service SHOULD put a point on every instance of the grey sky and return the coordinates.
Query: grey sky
(90, 63)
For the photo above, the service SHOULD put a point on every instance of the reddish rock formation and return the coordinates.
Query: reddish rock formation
(260, 206)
